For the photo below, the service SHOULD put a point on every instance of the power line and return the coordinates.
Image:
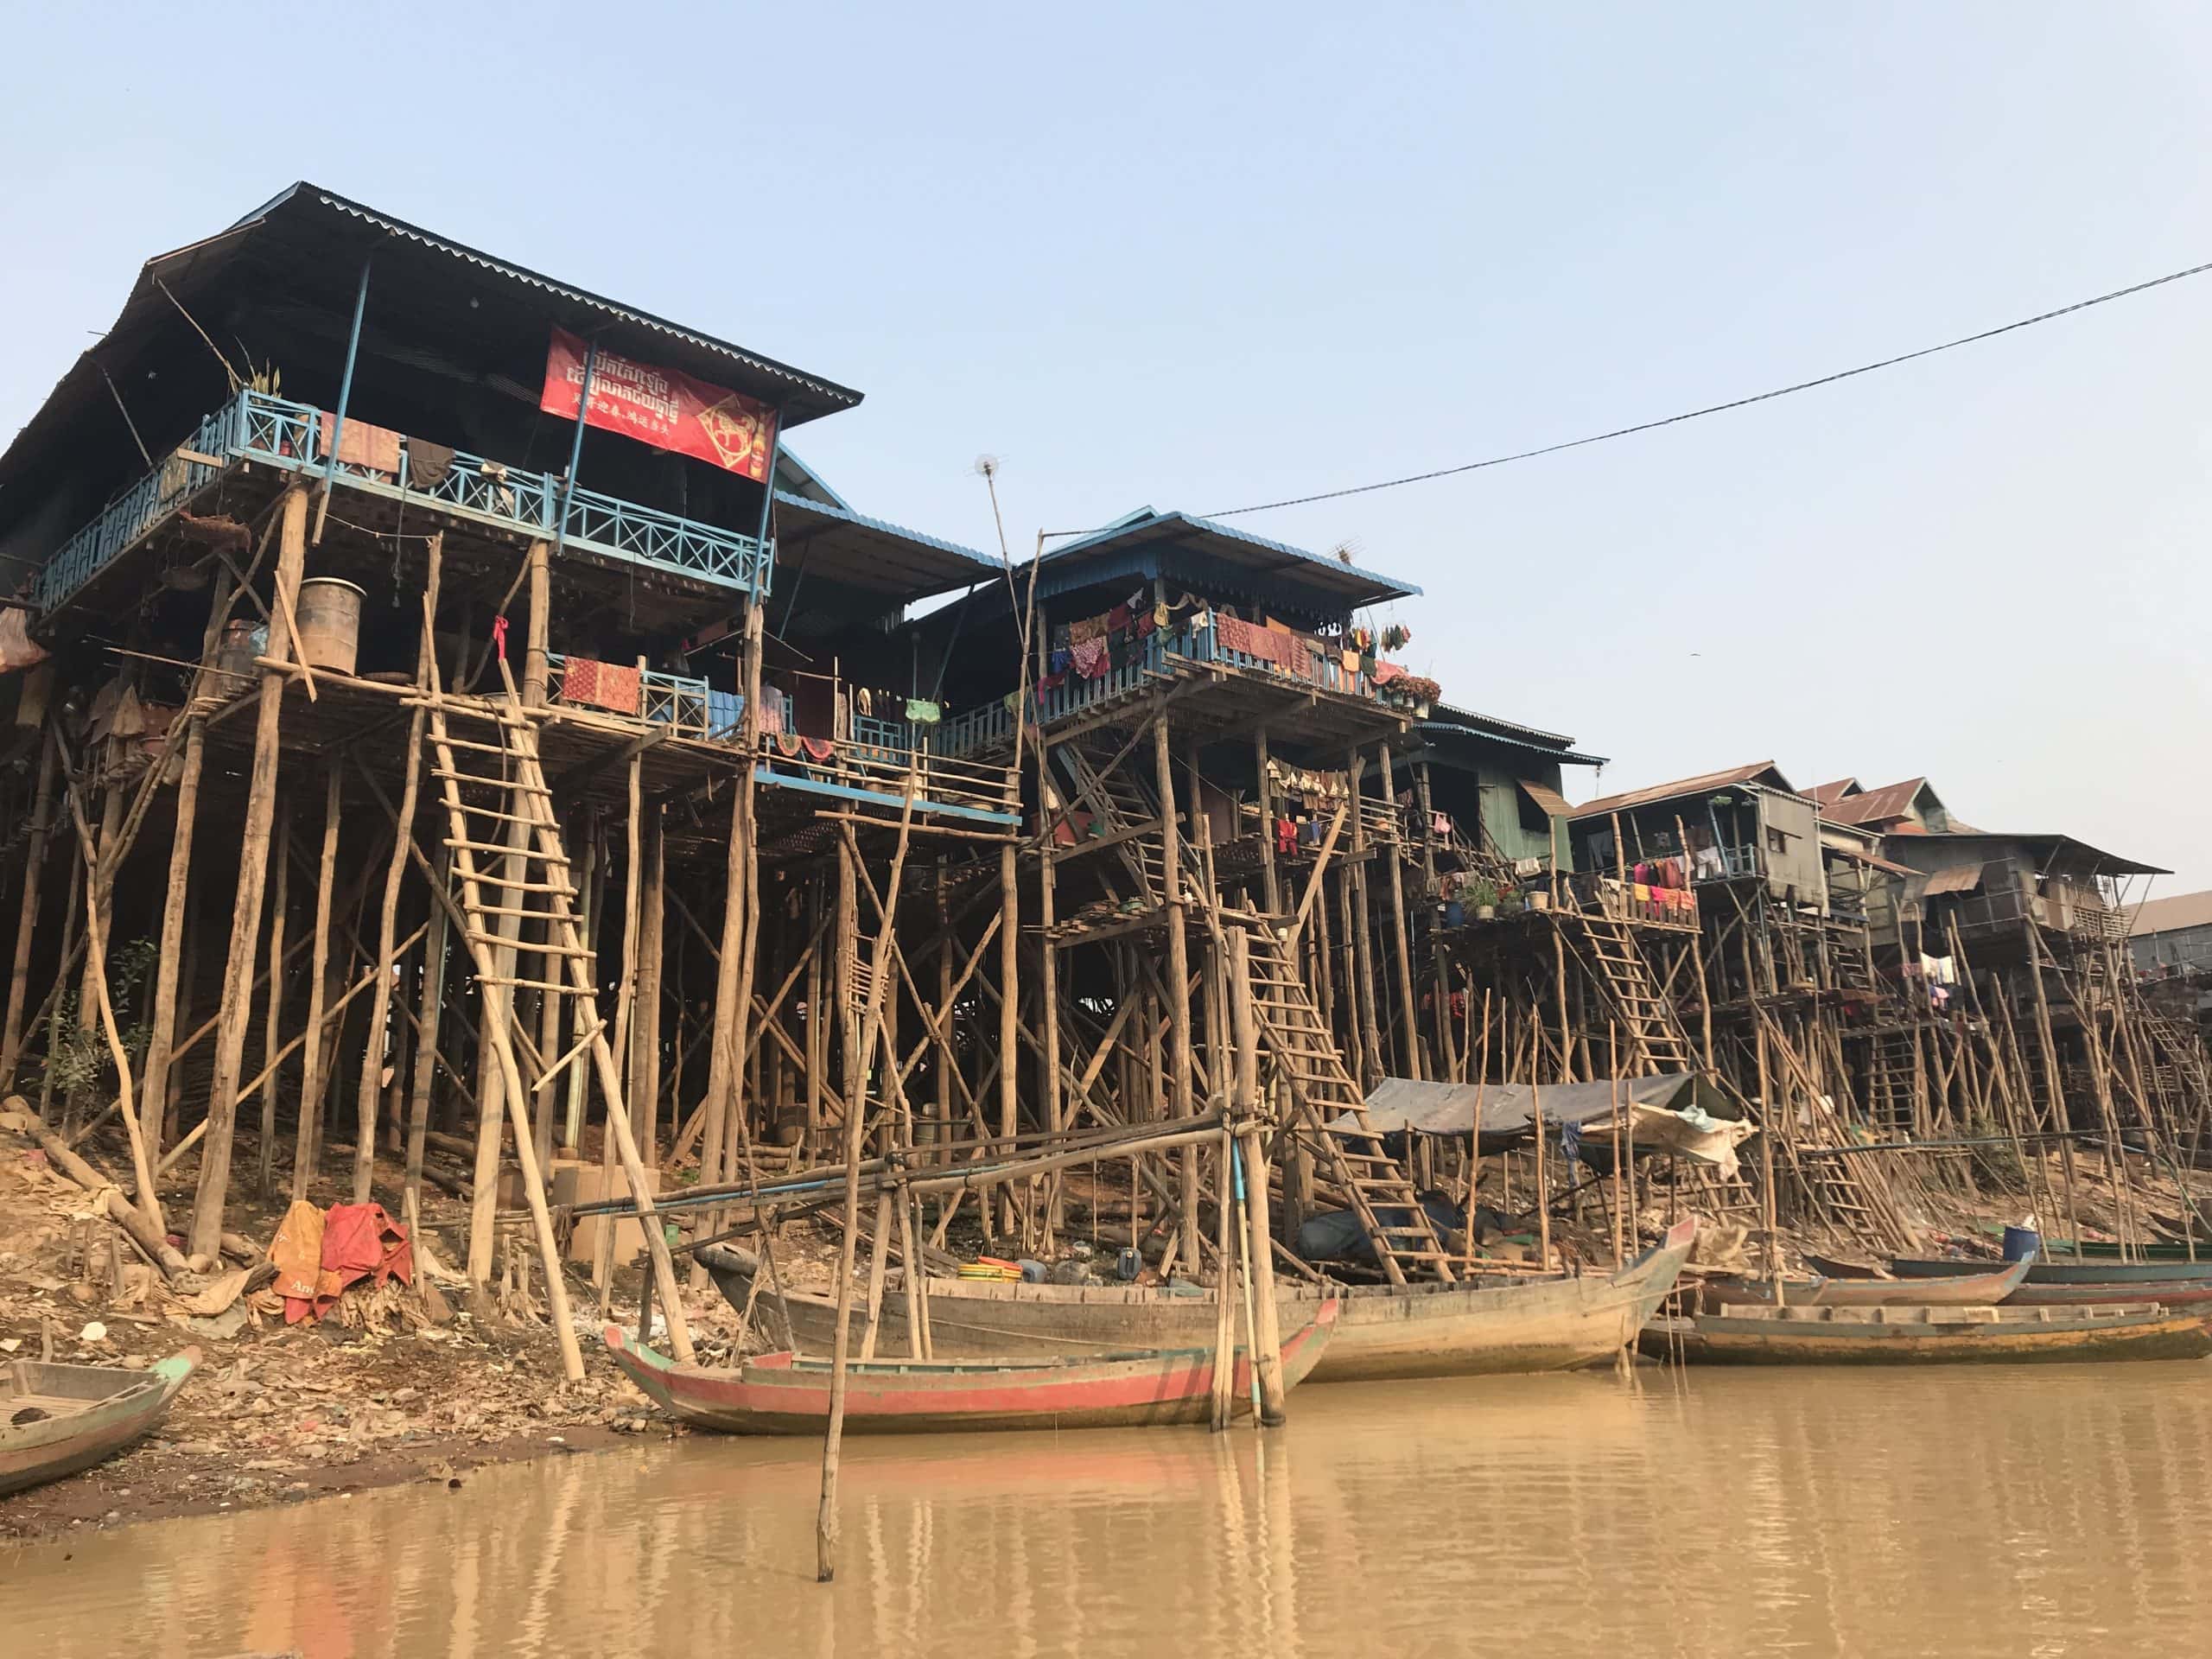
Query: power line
(1718, 409)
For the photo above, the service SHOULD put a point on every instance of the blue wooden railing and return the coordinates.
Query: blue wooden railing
(991, 725)
(278, 432)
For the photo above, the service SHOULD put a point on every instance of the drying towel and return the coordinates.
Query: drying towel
(818, 748)
(376, 448)
(428, 464)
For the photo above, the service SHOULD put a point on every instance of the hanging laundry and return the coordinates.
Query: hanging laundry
(922, 712)
(1285, 835)
(864, 701)
(1060, 659)
(1159, 614)
(1086, 628)
(1386, 673)
(1056, 679)
(1117, 619)
(818, 748)
(1091, 659)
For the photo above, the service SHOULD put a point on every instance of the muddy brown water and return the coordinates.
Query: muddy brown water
(2001, 1512)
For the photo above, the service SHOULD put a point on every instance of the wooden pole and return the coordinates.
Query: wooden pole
(1244, 1032)
(1009, 1031)
(1361, 931)
(1543, 1181)
(306, 1145)
(856, 1068)
(381, 1043)
(426, 1053)
(1270, 891)
(272, 1021)
(1178, 965)
(168, 967)
(27, 909)
(1225, 1295)
(1393, 852)
(245, 913)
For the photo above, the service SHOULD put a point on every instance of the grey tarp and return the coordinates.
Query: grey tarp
(1677, 1111)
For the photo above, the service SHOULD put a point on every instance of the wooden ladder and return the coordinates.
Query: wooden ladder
(1654, 1037)
(499, 814)
(1120, 804)
(1380, 1193)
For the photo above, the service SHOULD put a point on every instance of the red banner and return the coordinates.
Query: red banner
(661, 407)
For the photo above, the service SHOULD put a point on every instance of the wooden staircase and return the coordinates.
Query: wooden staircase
(1378, 1190)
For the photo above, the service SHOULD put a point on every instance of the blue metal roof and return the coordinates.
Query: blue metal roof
(1348, 583)
(873, 553)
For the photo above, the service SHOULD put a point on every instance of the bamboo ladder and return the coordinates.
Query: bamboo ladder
(1294, 1030)
(498, 806)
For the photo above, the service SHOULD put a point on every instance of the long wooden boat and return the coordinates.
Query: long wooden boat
(2192, 1294)
(785, 1394)
(56, 1420)
(1545, 1322)
(2075, 1272)
(1918, 1336)
(1963, 1290)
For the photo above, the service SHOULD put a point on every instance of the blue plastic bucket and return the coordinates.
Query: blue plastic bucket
(2021, 1243)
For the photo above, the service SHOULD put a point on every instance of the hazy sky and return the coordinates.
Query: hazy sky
(1204, 257)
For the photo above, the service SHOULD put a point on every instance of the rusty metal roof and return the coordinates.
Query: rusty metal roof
(1759, 772)
(2171, 914)
(1872, 805)
(1824, 794)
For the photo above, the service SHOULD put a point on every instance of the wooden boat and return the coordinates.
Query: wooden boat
(2192, 1294)
(1905, 1336)
(2041, 1272)
(785, 1394)
(1538, 1322)
(1964, 1290)
(56, 1420)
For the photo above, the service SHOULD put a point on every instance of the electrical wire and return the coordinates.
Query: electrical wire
(1718, 409)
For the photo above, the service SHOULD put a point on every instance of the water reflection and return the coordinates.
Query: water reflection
(2006, 1512)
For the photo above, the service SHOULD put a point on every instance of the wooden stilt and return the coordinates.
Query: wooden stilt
(426, 1053)
(306, 1145)
(272, 1021)
(245, 913)
(27, 910)
(1393, 854)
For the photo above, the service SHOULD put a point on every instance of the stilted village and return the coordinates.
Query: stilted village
(495, 849)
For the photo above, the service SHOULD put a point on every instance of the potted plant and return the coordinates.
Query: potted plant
(1482, 896)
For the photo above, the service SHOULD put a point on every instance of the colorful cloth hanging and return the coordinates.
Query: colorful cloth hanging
(1091, 658)
(818, 748)
(602, 685)
(922, 712)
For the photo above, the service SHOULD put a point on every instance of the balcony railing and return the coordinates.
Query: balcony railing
(278, 432)
(992, 723)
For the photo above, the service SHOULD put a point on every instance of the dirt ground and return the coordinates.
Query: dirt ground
(383, 1390)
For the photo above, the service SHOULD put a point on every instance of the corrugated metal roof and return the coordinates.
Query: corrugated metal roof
(1450, 714)
(881, 555)
(1565, 757)
(1755, 772)
(2043, 846)
(1873, 805)
(1548, 801)
(2171, 914)
(1958, 878)
(1355, 585)
(826, 390)
(1823, 794)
